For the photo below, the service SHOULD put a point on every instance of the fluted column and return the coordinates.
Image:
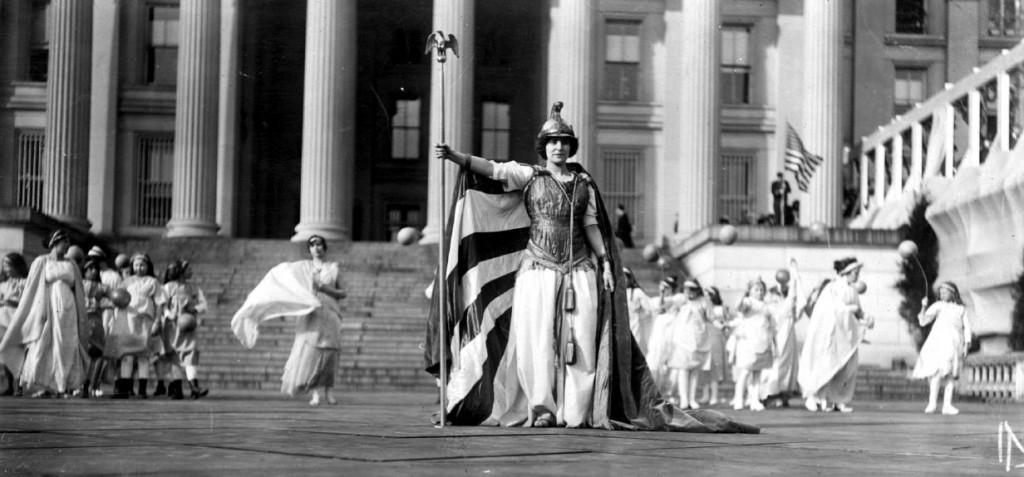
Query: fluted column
(455, 17)
(194, 193)
(227, 158)
(328, 121)
(572, 74)
(66, 150)
(697, 129)
(823, 36)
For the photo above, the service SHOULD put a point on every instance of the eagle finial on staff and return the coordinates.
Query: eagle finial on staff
(438, 42)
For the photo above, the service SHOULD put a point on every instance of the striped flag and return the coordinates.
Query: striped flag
(798, 160)
(492, 229)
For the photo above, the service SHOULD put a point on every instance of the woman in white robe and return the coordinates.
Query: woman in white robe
(43, 345)
(779, 382)
(829, 360)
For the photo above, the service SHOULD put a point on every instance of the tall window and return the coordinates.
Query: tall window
(154, 174)
(162, 53)
(401, 215)
(29, 172)
(1004, 17)
(624, 179)
(910, 16)
(737, 200)
(405, 129)
(735, 65)
(495, 131)
(909, 88)
(622, 60)
(39, 41)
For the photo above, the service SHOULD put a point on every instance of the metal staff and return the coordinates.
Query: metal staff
(440, 44)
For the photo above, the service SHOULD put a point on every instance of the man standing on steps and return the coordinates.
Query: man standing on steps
(780, 198)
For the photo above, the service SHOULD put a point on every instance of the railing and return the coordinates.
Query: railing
(994, 378)
(957, 127)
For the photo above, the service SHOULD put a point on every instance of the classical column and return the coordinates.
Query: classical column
(823, 36)
(572, 74)
(66, 149)
(227, 160)
(696, 131)
(455, 17)
(194, 193)
(328, 121)
(103, 117)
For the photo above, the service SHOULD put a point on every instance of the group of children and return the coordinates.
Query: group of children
(691, 339)
(130, 325)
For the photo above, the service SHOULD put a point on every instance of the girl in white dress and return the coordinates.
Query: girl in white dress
(133, 331)
(713, 371)
(947, 344)
(641, 311)
(687, 346)
(665, 307)
(755, 345)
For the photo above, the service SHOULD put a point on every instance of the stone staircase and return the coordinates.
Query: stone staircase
(383, 317)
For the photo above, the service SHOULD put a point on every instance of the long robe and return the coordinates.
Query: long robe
(829, 359)
(43, 344)
(781, 377)
(478, 340)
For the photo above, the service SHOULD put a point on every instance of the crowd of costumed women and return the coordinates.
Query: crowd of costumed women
(693, 341)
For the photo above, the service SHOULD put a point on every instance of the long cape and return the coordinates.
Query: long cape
(492, 227)
(287, 290)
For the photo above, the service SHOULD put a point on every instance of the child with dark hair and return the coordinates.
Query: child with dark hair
(947, 344)
(712, 373)
(13, 272)
(91, 325)
(181, 318)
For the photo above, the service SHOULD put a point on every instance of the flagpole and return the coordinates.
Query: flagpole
(439, 43)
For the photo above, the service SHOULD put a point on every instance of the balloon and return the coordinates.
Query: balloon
(861, 287)
(727, 234)
(782, 276)
(818, 230)
(75, 253)
(907, 249)
(408, 236)
(122, 261)
(187, 322)
(119, 297)
(651, 253)
(662, 262)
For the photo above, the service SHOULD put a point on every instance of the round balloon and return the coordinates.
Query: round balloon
(75, 253)
(727, 234)
(408, 236)
(861, 287)
(119, 297)
(651, 253)
(818, 230)
(782, 276)
(187, 322)
(122, 261)
(907, 249)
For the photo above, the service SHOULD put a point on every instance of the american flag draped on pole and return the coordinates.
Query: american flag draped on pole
(798, 160)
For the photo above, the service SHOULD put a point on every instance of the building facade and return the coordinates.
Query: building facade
(278, 119)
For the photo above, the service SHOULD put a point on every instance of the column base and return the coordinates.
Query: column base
(305, 230)
(191, 228)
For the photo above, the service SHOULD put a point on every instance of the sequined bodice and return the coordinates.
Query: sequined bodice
(550, 204)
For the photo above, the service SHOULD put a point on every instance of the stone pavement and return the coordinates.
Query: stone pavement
(389, 434)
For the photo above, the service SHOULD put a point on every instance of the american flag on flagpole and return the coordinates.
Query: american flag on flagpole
(798, 160)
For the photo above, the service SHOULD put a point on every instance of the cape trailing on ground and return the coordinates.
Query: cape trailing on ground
(492, 229)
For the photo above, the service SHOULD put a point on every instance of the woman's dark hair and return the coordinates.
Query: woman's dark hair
(18, 265)
(55, 237)
(316, 238)
(630, 278)
(92, 264)
(714, 296)
(842, 263)
(174, 271)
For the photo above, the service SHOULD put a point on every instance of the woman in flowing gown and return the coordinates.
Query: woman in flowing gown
(42, 344)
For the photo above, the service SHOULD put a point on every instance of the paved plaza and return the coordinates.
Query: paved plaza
(389, 434)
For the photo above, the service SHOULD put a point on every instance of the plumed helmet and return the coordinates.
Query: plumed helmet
(555, 126)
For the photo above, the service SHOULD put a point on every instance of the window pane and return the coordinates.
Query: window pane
(502, 111)
(412, 143)
(631, 49)
(489, 116)
(502, 146)
(614, 48)
(397, 142)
